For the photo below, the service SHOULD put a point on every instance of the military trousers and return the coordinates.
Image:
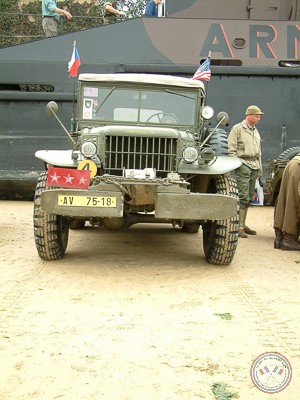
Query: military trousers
(245, 179)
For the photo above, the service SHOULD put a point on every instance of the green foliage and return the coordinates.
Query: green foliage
(224, 315)
(36, 88)
(19, 27)
(220, 392)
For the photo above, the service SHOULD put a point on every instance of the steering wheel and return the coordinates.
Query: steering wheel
(164, 118)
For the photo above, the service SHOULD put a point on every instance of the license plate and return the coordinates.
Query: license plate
(87, 201)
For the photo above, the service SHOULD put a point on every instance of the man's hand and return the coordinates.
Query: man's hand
(63, 12)
(68, 15)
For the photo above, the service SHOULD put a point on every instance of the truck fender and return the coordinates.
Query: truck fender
(221, 165)
(61, 158)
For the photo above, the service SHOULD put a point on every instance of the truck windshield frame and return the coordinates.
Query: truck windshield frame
(136, 105)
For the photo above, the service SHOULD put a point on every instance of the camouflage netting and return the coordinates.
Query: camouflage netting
(23, 23)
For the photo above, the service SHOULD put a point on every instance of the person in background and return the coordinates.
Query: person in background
(50, 15)
(258, 195)
(110, 12)
(244, 143)
(287, 209)
(152, 8)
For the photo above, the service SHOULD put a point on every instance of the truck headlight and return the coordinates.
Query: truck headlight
(207, 154)
(207, 112)
(190, 154)
(88, 149)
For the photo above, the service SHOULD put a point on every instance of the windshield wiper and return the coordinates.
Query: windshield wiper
(112, 90)
(179, 94)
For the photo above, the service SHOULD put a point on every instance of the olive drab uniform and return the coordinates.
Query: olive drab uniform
(287, 210)
(108, 17)
(244, 143)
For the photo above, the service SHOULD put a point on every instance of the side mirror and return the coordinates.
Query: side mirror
(222, 118)
(51, 108)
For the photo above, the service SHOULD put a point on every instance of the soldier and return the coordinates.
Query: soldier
(244, 142)
(287, 210)
(110, 12)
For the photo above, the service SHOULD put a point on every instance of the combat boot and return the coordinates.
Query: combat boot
(249, 231)
(289, 242)
(246, 228)
(278, 238)
(242, 233)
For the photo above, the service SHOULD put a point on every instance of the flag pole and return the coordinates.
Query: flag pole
(73, 105)
(209, 56)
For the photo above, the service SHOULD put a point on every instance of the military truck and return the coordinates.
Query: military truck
(141, 151)
(274, 172)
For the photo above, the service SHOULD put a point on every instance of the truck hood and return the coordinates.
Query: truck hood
(139, 131)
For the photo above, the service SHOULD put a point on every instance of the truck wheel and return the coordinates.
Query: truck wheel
(218, 142)
(288, 154)
(190, 228)
(51, 231)
(220, 237)
(76, 224)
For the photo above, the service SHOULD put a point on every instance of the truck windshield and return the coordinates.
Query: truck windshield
(150, 106)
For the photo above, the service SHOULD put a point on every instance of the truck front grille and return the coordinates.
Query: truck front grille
(131, 152)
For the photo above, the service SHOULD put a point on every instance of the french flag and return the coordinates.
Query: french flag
(74, 63)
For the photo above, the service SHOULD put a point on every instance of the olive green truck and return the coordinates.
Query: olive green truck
(143, 149)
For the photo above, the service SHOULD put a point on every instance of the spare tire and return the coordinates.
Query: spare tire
(288, 154)
(218, 141)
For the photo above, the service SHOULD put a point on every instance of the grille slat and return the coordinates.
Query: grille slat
(138, 153)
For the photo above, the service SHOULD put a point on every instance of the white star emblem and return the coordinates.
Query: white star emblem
(82, 181)
(69, 178)
(54, 178)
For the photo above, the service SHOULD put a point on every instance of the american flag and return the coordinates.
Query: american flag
(203, 73)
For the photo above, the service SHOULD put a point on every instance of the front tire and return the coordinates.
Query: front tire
(220, 237)
(51, 231)
(76, 224)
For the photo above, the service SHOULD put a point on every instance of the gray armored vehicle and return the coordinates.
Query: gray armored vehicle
(141, 151)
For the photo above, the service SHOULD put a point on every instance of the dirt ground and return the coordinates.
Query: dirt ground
(140, 315)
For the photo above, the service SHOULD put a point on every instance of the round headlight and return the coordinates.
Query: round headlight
(190, 154)
(207, 154)
(207, 112)
(88, 149)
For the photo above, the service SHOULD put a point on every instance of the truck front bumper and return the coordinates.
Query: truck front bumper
(195, 206)
(83, 203)
(170, 203)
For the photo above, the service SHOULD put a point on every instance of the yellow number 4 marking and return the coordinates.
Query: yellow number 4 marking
(88, 165)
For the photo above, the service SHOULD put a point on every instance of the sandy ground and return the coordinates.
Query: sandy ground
(137, 315)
